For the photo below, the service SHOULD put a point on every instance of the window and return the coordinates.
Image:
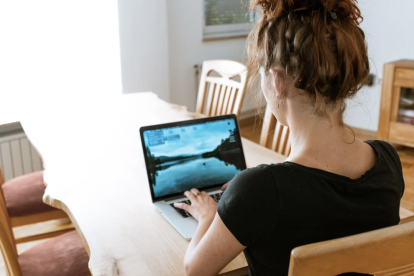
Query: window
(227, 18)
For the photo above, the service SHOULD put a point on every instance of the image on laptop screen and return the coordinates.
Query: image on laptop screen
(192, 156)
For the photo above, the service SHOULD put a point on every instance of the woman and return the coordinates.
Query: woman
(311, 56)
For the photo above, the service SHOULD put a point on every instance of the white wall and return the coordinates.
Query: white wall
(144, 46)
(186, 48)
(389, 30)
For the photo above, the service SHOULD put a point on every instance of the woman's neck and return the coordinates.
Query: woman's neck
(316, 139)
(325, 143)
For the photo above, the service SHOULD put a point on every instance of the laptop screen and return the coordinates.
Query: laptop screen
(200, 153)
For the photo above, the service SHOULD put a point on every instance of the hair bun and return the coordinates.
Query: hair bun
(343, 9)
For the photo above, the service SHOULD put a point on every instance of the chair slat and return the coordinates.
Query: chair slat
(267, 127)
(230, 107)
(281, 134)
(211, 93)
(277, 137)
(201, 97)
(221, 100)
(286, 152)
(226, 100)
(283, 140)
(238, 102)
(216, 100)
(229, 98)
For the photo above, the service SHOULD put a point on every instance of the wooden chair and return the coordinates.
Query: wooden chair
(22, 197)
(384, 252)
(221, 95)
(276, 133)
(59, 256)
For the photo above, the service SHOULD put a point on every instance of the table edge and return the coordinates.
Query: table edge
(47, 199)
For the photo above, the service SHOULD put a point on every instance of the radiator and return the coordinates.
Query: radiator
(18, 156)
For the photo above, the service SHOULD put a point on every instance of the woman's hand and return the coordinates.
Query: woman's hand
(202, 205)
(224, 187)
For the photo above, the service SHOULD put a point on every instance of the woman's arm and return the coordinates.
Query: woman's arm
(213, 245)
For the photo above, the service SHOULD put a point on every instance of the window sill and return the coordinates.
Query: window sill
(224, 36)
(226, 31)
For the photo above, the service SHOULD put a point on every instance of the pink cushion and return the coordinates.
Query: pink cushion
(24, 195)
(63, 255)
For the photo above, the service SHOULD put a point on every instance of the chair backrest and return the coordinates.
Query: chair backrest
(274, 135)
(221, 95)
(7, 241)
(384, 252)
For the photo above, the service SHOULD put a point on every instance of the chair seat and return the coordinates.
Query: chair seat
(60, 256)
(24, 195)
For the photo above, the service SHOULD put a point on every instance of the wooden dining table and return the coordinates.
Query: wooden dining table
(95, 171)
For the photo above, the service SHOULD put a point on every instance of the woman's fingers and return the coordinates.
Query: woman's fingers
(195, 191)
(183, 206)
(202, 205)
(224, 187)
(190, 195)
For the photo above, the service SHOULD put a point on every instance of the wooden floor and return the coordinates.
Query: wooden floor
(251, 130)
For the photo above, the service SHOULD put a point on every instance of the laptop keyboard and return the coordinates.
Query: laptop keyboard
(186, 214)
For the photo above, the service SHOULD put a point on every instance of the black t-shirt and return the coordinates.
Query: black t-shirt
(272, 209)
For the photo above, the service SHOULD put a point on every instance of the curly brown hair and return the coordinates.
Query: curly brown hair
(318, 43)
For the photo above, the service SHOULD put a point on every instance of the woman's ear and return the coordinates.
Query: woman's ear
(280, 83)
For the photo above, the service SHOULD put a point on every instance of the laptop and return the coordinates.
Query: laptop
(202, 153)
